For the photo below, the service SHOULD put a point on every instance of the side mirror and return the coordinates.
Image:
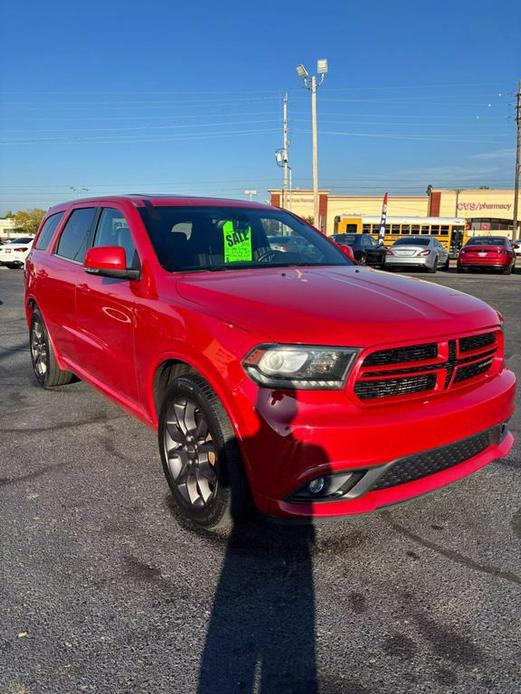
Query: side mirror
(109, 261)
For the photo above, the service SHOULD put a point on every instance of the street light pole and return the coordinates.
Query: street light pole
(314, 135)
(79, 191)
(312, 83)
(515, 227)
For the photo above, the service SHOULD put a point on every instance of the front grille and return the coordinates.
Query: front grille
(402, 354)
(451, 363)
(422, 464)
(368, 390)
(437, 367)
(468, 344)
(466, 372)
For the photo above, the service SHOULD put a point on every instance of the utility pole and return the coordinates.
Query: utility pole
(285, 148)
(311, 83)
(458, 191)
(515, 227)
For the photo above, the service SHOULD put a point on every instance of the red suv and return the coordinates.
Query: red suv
(495, 252)
(292, 381)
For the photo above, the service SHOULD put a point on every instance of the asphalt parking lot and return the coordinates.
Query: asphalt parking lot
(102, 590)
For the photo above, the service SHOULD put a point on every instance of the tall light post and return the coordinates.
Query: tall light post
(78, 190)
(312, 83)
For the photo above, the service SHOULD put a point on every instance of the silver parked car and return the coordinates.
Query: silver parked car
(424, 252)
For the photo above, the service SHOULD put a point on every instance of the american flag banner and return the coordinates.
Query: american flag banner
(381, 233)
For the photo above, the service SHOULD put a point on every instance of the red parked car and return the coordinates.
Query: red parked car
(494, 252)
(291, 381)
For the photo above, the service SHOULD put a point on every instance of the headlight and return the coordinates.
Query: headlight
(299, 366)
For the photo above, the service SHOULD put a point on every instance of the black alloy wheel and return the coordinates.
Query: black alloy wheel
(39, 354)
(45, 367)
(200, 456)
(190, 452)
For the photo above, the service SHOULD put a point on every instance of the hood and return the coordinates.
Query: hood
(335, 305)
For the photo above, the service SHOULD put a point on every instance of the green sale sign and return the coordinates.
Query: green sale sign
(237, 244)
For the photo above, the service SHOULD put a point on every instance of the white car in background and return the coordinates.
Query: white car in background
(14, 253)
(516, 245)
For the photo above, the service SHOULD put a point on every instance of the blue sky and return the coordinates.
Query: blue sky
(186, 97)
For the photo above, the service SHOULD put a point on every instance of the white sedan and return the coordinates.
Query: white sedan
(14, 253)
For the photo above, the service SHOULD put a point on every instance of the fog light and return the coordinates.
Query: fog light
(328, 487)
(317, 485)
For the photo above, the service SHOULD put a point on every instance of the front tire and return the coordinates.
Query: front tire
(45, 367)
(200, 456)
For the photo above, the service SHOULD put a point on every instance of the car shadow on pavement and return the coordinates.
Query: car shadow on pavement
(261, 634)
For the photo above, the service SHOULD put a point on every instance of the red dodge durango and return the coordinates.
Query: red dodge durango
(290, 381)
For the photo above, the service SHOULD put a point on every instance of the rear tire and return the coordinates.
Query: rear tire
(508, 270)
(45, 367)
(200, 455)
(434, 268)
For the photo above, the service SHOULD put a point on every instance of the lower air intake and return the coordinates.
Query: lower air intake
(417, 466)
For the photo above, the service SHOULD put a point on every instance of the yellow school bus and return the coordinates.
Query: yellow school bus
(450, 231)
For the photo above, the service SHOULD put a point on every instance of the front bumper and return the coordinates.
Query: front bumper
(303, 435)
(371, 497)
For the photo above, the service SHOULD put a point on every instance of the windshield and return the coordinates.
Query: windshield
(413, 241)
(228, 238)
(486, 241)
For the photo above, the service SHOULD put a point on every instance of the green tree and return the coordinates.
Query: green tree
(28, 221)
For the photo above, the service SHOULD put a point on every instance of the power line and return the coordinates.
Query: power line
(155, 127)
(135, 140)
(392, 136)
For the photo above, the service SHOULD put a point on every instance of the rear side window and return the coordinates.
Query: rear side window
(75, 236)
(48, 229)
